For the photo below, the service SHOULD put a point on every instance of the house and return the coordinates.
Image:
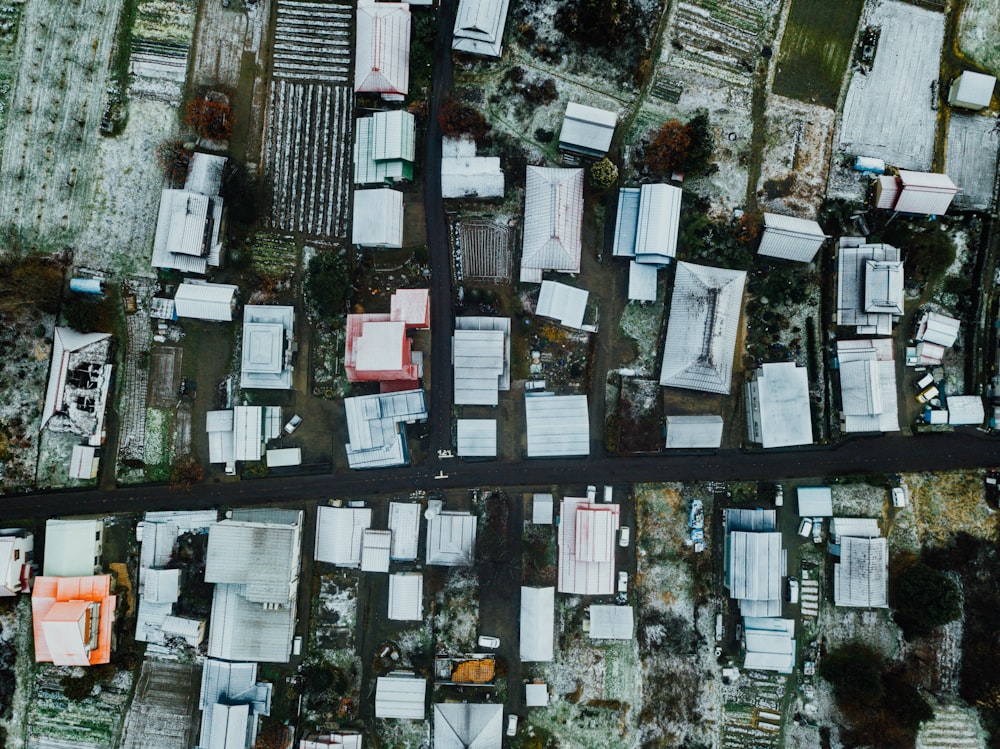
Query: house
(73, 619)
(382, 52)
(938, 329)
(971, 90)
(400, 695)
(869, 286)
(699, 431)
(476, 438)
(338, 534)
(412, 307)
(541, 509)
(239, 433)
(375, 550)
(791, 238)
(231, 702)
(647, 223)
(557, 425)
(778, 406)
(465, 175)
(404, 522)
(73, 548)
(163, 710)
(377, 348)
(553, 222)
(464, 725)
(451, 539)
(611, 622)
(205, 301)
(567, 304)
(17, 554)
(586, 541)
(384, 147)
(406, 596)
(965, 410)
(860, 578)
(187, 231)
(815, 501)
(76, 396)
(915, 192)
(587, 131)
(868, 386)
(253, 559)
(377, 219)
(337, 740)
(702, 329)
(537, 624)
(769, 643)
(754, 561)
(481, 359)
(268, 345)
(479, 26)
(374, 427)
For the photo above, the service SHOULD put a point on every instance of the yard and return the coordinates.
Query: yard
(978, 35)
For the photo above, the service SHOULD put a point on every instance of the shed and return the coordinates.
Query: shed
(283, 457)
(247, 432)
(268, 332)
(536, 695)
(965, 409)
(465, 725)
(382, 58)
(537, 624)
(770, 644)
(377, 220)
(657, 224)
(400, 695)
(375, 427)
(553, 222)
(557, 425)
(815, 501)
(221, 442)
(642, 282)
(404, 523)
(860, 578)
(471, 177)
(406, 596)
(338, 534)
(375, 545)
(791, 238)
(971, 90)
(479, 26)
(699, 431)
(755, 564)
(587, 131)
(924, 193)
(586, 543)
(626, 222)
(205, 301)
(481, 359)
(83, 463)
(541, 509)
(778, 406)
(934, 327)
(611, 622)
(567, 304)
(477, 438)
(451, 539)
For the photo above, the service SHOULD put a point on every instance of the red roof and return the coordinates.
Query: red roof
(382, 59)
(63, 619)
(587, 546)
(378, 350)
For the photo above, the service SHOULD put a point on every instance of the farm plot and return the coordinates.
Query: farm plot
(135, 376)
(484, 248)
(273, 257)
(48, 164)
(56, 721)
(753, 711)
(10, 22)
(220, 38)
(953, 727)
(312, 41)
(971, 160)
(978, 34)
(887, 112)
(161, 41)
(722, 39)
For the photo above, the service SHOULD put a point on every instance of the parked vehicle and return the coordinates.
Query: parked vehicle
(293, 424)
(793, 590)
(623, 582)
(899, 496)
(511, 725)
(817, 530)
(488, 641)
(925, 382)
(591, 493)
(626, 535)
(805, 527)
(926, 396)
(696, 519)
(608, 494)
(779, 495)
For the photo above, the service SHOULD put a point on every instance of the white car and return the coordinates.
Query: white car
(626, 536)
(779, 495)
(622, 582)
(293, 424)
(805, 527)
(511, 725)
(899, 496)
(793, 590)
(486, 641)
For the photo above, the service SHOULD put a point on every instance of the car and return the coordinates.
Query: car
(793, 590)
(626, 535)
(779, 495)
(488, 641)
(609, 493)
(899, 496)
(623, 582)
(817, 530)
(293, 424)
(926, 396)
(924, 382)
(805, 527)
(511, 725)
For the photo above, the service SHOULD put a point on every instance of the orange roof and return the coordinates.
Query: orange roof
(479, 671)
(60, 609)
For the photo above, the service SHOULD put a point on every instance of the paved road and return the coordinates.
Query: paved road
(933, 452)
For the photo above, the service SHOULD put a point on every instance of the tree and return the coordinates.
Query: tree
(185, 473)
(460, 119)
(669, 148)
(603, 174)
(78, 688)
(210, 118)
(855, 672)
(923, 597)
(702, 146)
(328, 283)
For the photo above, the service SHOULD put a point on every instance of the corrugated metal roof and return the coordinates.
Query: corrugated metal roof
(262, 558)
(480, 360)
(611, 622)
(71, 548)
(537, 624)
(375, 550)
(477, 438)
(770, 644)
(851, 274)
(205, 174)
(925, 192)
(642, 282)
(374, 426)
(491, 323)
(244, 631)
(884, 287)
(451, 539)
(406, 596)
(868, 385)
(791, 238)
(400, 695)
(857, 527)
(658, 223)
(860, 579)
(754, 566)
(412, 307)
(404, 522)
(158, 541)
(567, 304)
(575, 574)
(472, 176)
(468, 726)
(557, 425)
(702, 329)
(247, 434)
(972, 90)
(626, 222)
(587, 130)
(755, 520)
(704, 431)
(83, 462)
(377, 220)
(382, 59)
(160, 586)
(553, 221)
(338, 534)
(778, 406)
(965, 409)
(937, 328)
(187, 231)
(479, 26)
(815, 501)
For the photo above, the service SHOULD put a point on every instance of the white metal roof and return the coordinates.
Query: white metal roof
(884, 287)
(400, 695)
(267, 334)
(587, 130)
(465, 725)
(857, 527)
(626, 222)
(338, 534)
(205, 301)
(791, 238)
(161, 586)
(557, 425)
(567, 304)
(379, 347)
(277, 457)
(375, 550)
(374, 427)
(852, 265)
(406, 596)
(541, 509)
(754, 567)
(703, 327)
(181, 240)
(477, 438)
(770, 644)
(860, 579)
(382, 59)
(537, 623)
(536, 695)
(965, 409)
(611, 622)
(404, 522)
(247, 432)
(221, 438)
(479, 26)
(491, 323)
(83, 463)
(553, 221)
(471, 177)
(378, 218)
(451, 539)
(703, 431)
(262, 558)
(658, 223)
(868, 386)
(937, 328)
(241, 630)
(925, 192)
(71, 547)
(972, 90)
(815, 501)
(480, 358)
(642, 279)
(778, 406)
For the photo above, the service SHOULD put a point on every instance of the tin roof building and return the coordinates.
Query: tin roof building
(815, 501)
(537, 624)
(404, 522)
(868, 386)
(73, 619)
(553, 222)
(406, 596)
(587, 546)
(769, 644)
(869, 286)
(481, 359)
(938, 329)
(479, 27)
(468, 726)
(400, 695)
(375, 427)
(755, 564)
(642, 280)
(557, 425)
(206, 301)
(451, 539)
(860, 578)
(791, 238)
(702, 329)
(338, 534)
(377, 219)
(375, 546)
(231, 702)
(187, 231)
(477, 438)
(647, 223)
(567, 304)
(587, 131)
(778, 406)
(612, 622)
(382, 52)
(699, 431)
(971, 90)
(924, 193)
(384, 147)
(965, 409)
(268, 342)
(541, 509)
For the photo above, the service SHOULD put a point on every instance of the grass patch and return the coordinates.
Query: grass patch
(816, 48)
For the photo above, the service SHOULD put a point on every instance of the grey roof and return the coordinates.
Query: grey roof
(70, 546)
(965, 409)
(860, 579)
(703, 327)
(479, 26)
(267, 338)
(972, 90)
(553, 222)
(937, 328)
(247, 432)
(541, 509)
(587, 130)
(658, 224)
(778, 406)
(884, 287)
(611, 622)
(406, 596)
(867, 386)
(626, 222)
(375, 427)
(755, 520)
(338, 534)
(852, 269)
(377, 219)
(557, 425)
(400, 695)
(791, 238)
(754, 567)
(475, 322)
(245, 631)
(404, 522)
(537, 624)
(471, 177)
(451, 539)
(375, 550)
(858, 527)
(187, 521)
(262, 558)
(703, 431)
(815, 501)
(477, 438)
(231, 698)
(770, 644)
(564, 303)
(187, 231)
(205, 301)
(480, 358)
(642, 282)
(205, 174)
(468, 726)
(158, 541)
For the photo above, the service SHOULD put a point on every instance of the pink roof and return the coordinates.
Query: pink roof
(586, 546)
(881, 346)
(341, 740)
(382, 62)
(888, 191)
(377, 349)
(412, 306)
(60, 607)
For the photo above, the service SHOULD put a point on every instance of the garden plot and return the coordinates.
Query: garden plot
(309, 162)
(642, 325)
(456, 617)
(336, 611)
(971, 160)
(754, 709)
(887, 112)
(978, 34)
(48, 166)
(312, 41)
(273, 257)
(10, 22)
(165, 376)
(484, 248)
(161, 41)
(135, 377)
(953, 727)
(639, 416)
(220, 38)
(95, 722)
(795, 163)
